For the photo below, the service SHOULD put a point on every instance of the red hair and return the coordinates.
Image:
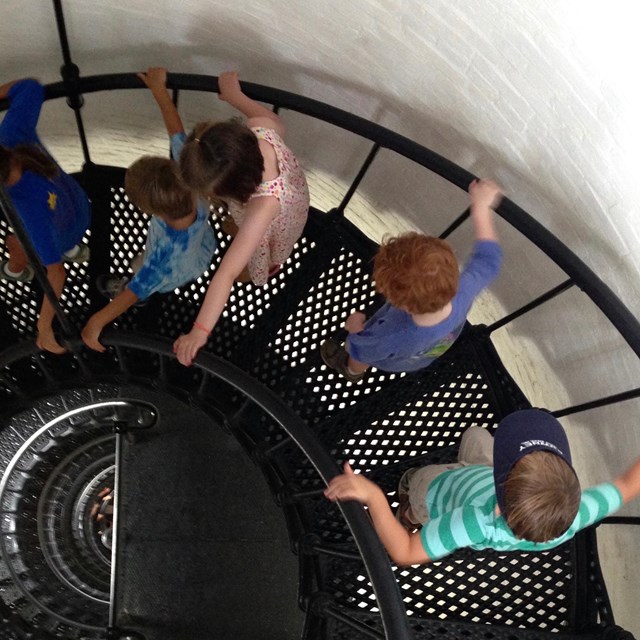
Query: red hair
(416, 273)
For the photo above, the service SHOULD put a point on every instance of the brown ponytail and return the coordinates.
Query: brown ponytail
(222, 159)
(30, 158)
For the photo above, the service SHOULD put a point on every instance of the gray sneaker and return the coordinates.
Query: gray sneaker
(110, 286)
(335, 356)
(26, 275)
(83, 255)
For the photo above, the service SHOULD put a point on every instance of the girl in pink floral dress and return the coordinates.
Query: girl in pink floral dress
(290, 189)
(251, 168)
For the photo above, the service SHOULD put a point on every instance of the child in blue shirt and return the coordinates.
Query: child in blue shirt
(52, 206)
(427, 300)
(180, 241)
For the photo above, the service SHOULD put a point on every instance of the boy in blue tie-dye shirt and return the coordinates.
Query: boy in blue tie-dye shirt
(180, 241)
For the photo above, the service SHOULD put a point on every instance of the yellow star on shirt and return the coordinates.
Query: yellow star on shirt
(52, 200)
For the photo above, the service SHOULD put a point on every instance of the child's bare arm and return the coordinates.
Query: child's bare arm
(259, 214)
(403, 547)
(355, 322)
(259, 115)
(485, 196)
(98, 321)
(629, 482)
(156, 79)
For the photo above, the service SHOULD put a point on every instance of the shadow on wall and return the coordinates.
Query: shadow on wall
(210, 40)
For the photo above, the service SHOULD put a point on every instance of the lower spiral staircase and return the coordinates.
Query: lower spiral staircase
(141, 499)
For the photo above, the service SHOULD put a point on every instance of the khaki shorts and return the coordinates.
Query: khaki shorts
(476, 447)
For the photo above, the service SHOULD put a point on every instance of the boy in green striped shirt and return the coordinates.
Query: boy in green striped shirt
(515, 492)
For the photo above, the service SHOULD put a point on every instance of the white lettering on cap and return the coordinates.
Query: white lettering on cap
(539, 443)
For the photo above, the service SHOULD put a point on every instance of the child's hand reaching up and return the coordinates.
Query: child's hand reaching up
(229, 86)
(485, 196)
(485, 193)
(155, 78)
(351, 486)
(258, 115)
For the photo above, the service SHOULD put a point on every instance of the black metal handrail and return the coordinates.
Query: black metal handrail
(374, 557)
(579, 273)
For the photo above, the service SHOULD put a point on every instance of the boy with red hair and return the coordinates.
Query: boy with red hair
(427, 300)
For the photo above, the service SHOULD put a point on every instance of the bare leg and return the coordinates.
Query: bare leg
(17, 257)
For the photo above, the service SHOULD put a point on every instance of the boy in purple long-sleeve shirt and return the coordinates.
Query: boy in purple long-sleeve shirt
(427, 300)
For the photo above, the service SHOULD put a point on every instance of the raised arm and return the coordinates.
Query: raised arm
(21, 119)
(629, 482)
(485, 196)
(156, 79)
(258, 115)
(403, 547)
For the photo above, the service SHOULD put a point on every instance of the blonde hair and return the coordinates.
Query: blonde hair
(542, 496)
(155, 186)
(416, 273)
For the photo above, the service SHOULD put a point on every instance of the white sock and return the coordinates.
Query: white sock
(73, 252)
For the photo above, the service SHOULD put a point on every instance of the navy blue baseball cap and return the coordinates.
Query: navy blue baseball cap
(521, 433)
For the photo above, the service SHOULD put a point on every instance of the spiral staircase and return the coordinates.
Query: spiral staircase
(142, 499)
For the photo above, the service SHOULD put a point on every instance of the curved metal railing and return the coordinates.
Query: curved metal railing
(376, 563)
(75, 420)
(579, 274)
